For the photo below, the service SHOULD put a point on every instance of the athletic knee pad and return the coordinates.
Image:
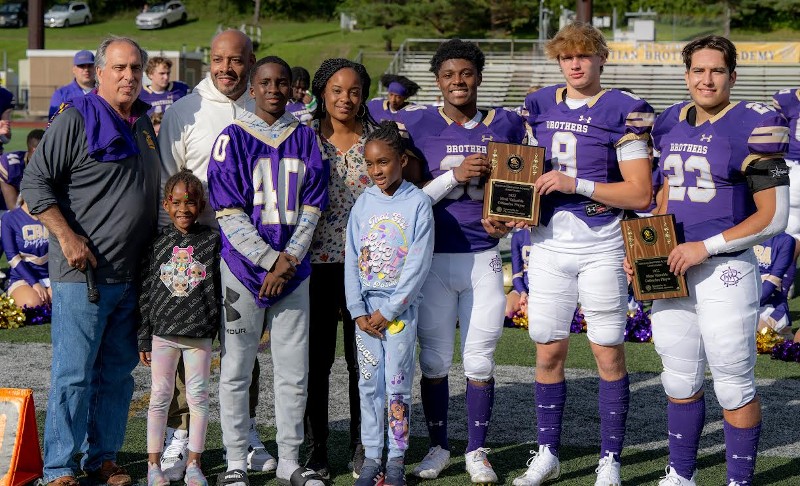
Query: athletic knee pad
(681, 386)
(478, 368)
(733, 395)
(434, 365)
(606, 335)
(542, 333)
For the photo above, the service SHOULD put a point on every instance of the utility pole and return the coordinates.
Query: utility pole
(36, 24)
(583, 11)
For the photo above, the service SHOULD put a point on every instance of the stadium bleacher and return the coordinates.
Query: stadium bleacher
(510, 73)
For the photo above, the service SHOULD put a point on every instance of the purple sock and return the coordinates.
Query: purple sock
(741, 447)
(435, 400)
(684, 426)
(550, 400)
(613, 400)
(480, 400)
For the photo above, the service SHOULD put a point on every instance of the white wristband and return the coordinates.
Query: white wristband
(584, 187)
(441, 186)
(715, 244)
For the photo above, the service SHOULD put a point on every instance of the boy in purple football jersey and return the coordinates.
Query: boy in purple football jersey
(161, 93)
(787, 102)
(398, 90)
(465, 283)
(268, 185)
(727, 184)
(776, 264)
(597, 164)
(12, 166)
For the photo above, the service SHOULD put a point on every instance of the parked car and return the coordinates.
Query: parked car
(161, 15)
(14, 14)
(66, 14)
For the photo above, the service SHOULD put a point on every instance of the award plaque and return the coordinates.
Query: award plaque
(509, 194)
(648, 242)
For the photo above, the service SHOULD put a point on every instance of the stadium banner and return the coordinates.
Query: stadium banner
(669, 53)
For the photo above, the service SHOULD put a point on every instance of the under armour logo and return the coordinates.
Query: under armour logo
(436, 424)
(585, 119)
(705, 138)
(481, 424)
(749, 458)
(677, 436)
(486, 138)
(546, 406)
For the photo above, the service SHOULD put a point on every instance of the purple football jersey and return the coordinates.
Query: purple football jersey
(787, 102)
(582, 143)
(12, 166)
(380, 110)
(520, 250)
(443, 144)
(705, 164)
(300, 111)
(159, 102)
(25, 242)
(271, 180)
(776, 257)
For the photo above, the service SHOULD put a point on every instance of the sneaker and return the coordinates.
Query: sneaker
(478, 466)
(371, 474)
(155, 476)
(358, 461)
(395, 472)
(608, 472)
(258, 459)
(542, 466)
(318, 461)
(674, 479)
(433, 463)
(173, 459)
(194, 475)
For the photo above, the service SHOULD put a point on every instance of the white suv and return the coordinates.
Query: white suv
(66, 14)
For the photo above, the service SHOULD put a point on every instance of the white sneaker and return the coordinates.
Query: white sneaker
(478, 466)
(258, 459)
(608, 472)
(674, 479)
(543, 466)
(176, 452)
(433, 463)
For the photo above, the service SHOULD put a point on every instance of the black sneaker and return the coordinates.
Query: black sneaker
(395, 472)
(318, 461)
(371, 474)
(358, 461)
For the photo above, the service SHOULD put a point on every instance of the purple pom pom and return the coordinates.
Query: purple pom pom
(787, 351)
(37, 315)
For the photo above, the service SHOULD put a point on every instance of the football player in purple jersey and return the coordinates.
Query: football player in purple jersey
(597, 164)
(787, 102)
(727, 184)
(268, 185)
(12, 165)
(465, 283)
(398, 90)
(303, 103)
(776, 264)
(161, 93)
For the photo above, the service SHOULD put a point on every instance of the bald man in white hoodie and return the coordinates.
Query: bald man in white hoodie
(188, 131)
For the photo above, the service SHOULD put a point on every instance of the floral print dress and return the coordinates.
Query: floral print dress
(348, 179)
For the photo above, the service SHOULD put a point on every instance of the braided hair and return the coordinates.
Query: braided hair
(300, 74)
(188, 178)
(410, 86)
(457, 49)
(326, 70)
(388, 132)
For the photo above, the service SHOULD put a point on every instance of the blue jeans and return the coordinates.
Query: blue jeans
(94, 353)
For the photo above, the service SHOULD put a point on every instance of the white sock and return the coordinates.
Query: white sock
(286, 467)
(242, 465)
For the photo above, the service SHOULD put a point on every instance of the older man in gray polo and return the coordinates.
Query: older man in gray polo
(93, 182)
